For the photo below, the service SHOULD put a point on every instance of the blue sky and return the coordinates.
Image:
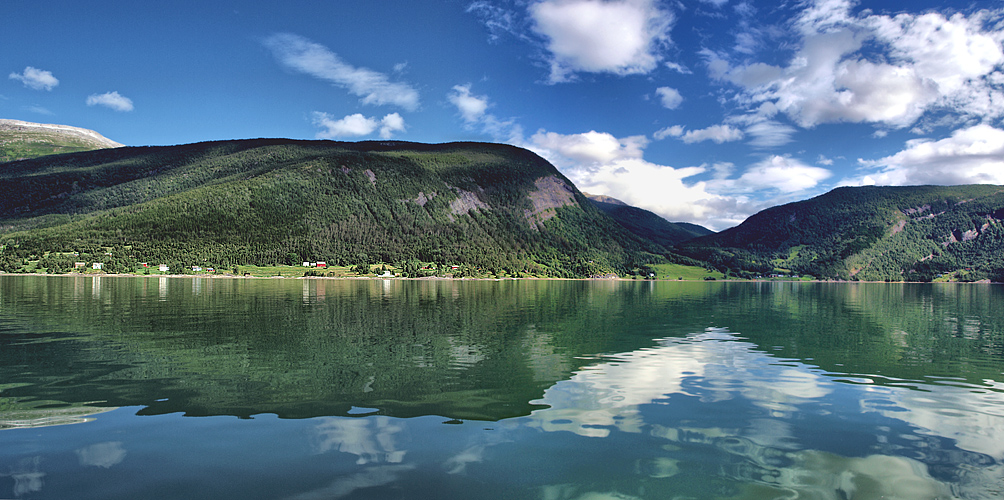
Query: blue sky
(704, 111)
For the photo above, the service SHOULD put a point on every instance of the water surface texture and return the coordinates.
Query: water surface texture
(153, 387)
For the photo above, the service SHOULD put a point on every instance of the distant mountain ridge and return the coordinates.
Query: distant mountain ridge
(646, 224)
(22, 140)
(872, 233)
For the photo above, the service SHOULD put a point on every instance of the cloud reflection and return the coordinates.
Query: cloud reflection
(625, 391)
(27, 476)
(713, 366)
(371, 477)
(371, 439)
(102, 454)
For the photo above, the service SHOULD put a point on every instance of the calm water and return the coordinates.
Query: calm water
(321, 389)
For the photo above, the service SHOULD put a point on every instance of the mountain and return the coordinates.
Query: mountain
(496, 208)
(915, 233)
(21, 140)
(645, 224)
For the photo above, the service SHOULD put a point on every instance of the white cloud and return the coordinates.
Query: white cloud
(389, 124)
(302, 55)
(679, 68)
(589, 148)
(658, 188)
(886, 70)
(112, 100)
(782, 173)
(717, 133)
(472, 108)
(824, 15)
(769, 134)
(672, 131)
(599, 163)
(621, 37)
(357, 125)
(36, 79)
(971, 155)
(669, 97)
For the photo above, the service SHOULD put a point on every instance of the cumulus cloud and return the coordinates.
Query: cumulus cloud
(970, 155)
(36, 79)
(590, 148)
(886, 70)
(357, 125)
(389, 124)
(599, 163)
(781, 173)
(472, 108)
(669, 97)
(621, 37)
(304, 56)
(716, 133)
(112, 100)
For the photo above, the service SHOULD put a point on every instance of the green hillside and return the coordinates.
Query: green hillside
(645, 224)
(487, 208)
(914, 233)
(22, 140)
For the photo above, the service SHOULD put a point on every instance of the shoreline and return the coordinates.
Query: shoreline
(441, 278)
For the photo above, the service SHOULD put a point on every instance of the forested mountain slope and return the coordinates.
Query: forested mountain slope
(494, 207)
(646, 224)
(916, 233)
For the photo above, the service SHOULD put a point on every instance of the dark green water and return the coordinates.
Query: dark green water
(303, 389)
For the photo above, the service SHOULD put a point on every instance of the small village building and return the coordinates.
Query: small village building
(97, 265)
(164, 268)
(79, 265)
(321, 264)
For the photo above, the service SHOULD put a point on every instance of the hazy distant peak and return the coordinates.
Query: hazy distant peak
(89, 136)
(605, 199)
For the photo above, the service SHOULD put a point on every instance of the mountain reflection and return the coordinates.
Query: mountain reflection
(467, 350)
(715, 398)
(748, 390)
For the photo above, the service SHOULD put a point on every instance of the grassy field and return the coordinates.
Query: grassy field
(678, 271)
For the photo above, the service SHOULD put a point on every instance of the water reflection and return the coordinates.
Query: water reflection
(102, 455)
(372, 440)
(562, 390)
(765, 404)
